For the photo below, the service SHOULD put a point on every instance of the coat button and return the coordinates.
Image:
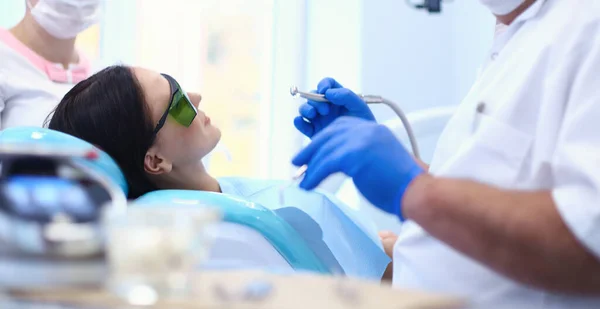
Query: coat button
(480, 107)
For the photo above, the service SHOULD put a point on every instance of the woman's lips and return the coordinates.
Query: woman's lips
(206, 120)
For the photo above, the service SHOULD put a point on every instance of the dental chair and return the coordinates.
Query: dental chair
(427, 126)
(250, 236)
(42, 171)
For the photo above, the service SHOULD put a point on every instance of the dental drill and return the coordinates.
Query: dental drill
(368, 99)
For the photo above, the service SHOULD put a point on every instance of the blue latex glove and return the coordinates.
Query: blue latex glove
(344, 102)
(379, 165)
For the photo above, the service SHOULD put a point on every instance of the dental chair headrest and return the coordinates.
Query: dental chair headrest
(43, 138)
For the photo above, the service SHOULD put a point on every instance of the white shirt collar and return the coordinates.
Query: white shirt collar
(531, 12)
(503, 33)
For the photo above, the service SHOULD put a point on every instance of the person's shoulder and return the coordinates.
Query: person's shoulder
(8, 57)
(11, 59)
(5, 49)
(580, 36)
(576, 16)
(7, 54)
(567, 32)
(588, 14)
(591, 7)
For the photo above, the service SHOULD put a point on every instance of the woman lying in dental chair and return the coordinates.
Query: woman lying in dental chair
(158, 135)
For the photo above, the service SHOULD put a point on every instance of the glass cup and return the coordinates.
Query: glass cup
(153, 252)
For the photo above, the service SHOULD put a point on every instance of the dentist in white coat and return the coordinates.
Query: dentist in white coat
(508, 213)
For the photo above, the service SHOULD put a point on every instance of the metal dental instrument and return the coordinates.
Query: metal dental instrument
(369, 99)
(300, 172)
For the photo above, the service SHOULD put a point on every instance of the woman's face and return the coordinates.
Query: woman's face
(178, 145)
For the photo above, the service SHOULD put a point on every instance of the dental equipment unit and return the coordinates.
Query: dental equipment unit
(51, 202)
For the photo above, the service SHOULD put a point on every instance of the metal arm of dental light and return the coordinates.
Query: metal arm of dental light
(431, 6)
(370, 99)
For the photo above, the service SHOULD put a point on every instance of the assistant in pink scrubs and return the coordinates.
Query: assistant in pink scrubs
(39, 60)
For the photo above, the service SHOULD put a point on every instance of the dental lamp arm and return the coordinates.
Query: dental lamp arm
(512, 232)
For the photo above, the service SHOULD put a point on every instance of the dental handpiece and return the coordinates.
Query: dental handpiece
(369, 99)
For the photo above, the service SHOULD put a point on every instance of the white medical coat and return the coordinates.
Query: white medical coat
(530, 122)
(27, 95)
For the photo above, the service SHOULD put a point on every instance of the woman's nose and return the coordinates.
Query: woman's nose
(196, 98)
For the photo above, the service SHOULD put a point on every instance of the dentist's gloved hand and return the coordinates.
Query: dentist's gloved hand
(379, 165)
(344, 102)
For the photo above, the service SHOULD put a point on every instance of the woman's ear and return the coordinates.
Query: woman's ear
(156, 164)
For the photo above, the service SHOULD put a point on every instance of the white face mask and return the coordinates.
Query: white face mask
(65, 19)
(502, 7)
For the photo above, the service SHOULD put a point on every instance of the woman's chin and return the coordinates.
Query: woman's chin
(216, 138)
(218, 133)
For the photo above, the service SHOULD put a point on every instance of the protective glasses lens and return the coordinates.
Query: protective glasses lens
(180, 107)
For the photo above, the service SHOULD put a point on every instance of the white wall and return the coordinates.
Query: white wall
(333, 49)
(334, 42)
(117, 37)
(287, 61)
(421, 60)
(472, 35)
(11, 11)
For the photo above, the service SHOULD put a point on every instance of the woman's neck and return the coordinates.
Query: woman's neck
(32, 35)
(188, 178)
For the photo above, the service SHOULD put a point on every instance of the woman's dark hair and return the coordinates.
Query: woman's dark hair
(108, 110)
